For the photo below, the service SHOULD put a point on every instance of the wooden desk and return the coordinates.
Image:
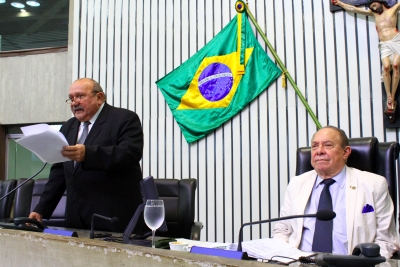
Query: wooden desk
(21, 248)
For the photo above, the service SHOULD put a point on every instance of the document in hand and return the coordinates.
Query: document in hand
(44, 142)
(267, 248)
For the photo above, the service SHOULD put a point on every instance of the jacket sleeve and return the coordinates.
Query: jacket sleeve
(386, 235)
(283, 229)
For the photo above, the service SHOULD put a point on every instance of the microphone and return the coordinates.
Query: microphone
(347, 260)
(363, 255)
(325, 215)
(27, 180)
(112, 220)
(322, 215)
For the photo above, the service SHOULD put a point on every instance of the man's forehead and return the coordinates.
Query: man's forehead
(80, 86)
(325, 135)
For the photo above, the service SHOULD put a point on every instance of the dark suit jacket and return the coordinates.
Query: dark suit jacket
(107, 181)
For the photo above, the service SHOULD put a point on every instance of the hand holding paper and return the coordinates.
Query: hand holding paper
(44, 142)
(75, 153)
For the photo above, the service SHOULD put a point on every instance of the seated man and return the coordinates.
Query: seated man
(361, 201)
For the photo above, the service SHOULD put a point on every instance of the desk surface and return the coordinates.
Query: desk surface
(21, 248)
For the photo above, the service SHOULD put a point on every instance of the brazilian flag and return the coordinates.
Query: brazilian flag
(219, 80)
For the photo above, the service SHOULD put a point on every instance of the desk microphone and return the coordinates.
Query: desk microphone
(322, 215)
(347, 260)
(113, 221)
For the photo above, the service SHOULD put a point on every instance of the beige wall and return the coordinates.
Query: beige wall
(33, 88)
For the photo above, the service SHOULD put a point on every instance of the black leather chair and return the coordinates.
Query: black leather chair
(6, 204)
(28, 195)
(367, 154)
(179, 200)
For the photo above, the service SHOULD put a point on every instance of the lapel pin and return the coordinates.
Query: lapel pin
(353, 187)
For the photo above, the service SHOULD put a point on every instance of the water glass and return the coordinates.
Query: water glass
(154, 215)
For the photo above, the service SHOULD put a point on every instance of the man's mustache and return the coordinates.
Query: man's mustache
(76, 108)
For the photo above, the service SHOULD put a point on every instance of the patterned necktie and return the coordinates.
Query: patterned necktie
(322, 241)
(84, 132)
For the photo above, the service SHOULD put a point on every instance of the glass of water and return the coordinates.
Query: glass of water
(154, 215)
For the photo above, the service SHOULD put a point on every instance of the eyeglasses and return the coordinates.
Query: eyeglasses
(78, 97)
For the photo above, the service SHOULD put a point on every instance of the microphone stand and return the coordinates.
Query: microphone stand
(112, 221)
(266, 221)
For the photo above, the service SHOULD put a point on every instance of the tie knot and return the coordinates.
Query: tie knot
(86, 123)
(328, 182)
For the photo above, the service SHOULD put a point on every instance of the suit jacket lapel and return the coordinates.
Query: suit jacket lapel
(94, 132)
(351, 197)
(71, 139)
(97, 126)
(305, 194)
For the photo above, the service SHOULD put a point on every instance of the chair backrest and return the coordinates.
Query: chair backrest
(367, 154)
(6, 204)
(27, 197)
(179, 200)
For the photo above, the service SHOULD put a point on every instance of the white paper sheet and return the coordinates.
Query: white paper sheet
(202, 244)
(267, 248)
(44, 142)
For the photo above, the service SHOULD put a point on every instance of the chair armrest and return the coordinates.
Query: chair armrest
(196, 229)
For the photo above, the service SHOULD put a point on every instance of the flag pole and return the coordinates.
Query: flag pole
(241, 7)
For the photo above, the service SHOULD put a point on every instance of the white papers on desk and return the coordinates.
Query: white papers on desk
(267, 248)
(192, 243)
(44, 142)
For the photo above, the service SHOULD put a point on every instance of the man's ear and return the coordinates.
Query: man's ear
(347, 152)
(100, 96)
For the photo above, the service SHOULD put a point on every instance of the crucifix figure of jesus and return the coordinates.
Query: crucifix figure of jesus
(389, 43)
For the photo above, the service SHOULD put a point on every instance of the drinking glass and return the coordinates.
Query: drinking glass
(154, 216)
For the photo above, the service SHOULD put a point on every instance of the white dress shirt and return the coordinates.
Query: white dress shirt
(339, 235)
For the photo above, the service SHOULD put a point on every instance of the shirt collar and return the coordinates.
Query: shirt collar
(93, 119)
(340, 178)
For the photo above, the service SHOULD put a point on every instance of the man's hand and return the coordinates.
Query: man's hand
(75, 153)
(336, 2)
(35, 215)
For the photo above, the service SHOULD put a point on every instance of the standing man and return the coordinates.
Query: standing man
(103, 176)
(361, 201)
(386, 26)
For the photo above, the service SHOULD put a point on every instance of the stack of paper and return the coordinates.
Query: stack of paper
(44, 142)
(271, 249)
(192, 243)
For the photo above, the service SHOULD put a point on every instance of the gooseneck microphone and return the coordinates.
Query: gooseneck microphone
(27, 180)
(113, 221)
(322, 215)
